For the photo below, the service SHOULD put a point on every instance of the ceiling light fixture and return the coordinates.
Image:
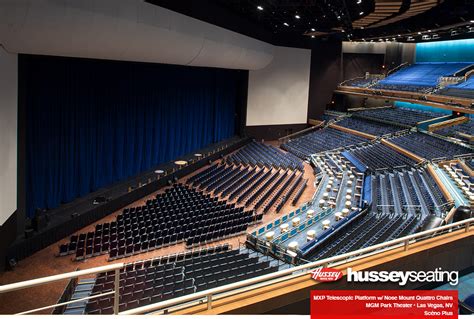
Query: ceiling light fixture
(359, 1)
(297, 16)
(361, 13)
(286, 24)
(313, 29)
(472, 21)
(312, 36)
(260, 8)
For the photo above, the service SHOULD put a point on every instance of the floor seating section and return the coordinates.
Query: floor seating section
(378, 156)
(455, 130)
(258, 154)
(367, 126)
(260, 188)
(399, 115)
(163, 278)
(321, 140)
(372, 229)
(428, 146)
(179, 214)
(464, 89)
(420, 75)
(410, 191)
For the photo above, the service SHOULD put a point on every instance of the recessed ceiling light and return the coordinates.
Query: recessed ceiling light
(419, 32)
(361, 13)
(313, 29)
(286, 24)
(260, 8)
(362, 28)
(359, 1)
(297, 16)
(312, 36)
(398, 35)
(429, 30)
(472, 21)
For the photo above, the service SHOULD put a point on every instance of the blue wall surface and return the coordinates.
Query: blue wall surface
(90, 123)
(446, 51)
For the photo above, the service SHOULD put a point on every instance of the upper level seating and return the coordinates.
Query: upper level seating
(398, 115)
(164, 278)
(464, 89)
(370, 127)
(452, 131)
(379, 156)
(421, 74)
(179, 214)
(319, 141)
(428, 146)
(264, 155)
(362, 83)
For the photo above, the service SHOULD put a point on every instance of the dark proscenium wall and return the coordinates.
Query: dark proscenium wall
(357, 64)
(91, 123)
(326, 74)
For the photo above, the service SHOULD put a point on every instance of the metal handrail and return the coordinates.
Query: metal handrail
(208, 294)
(75, 274)
(234, 288)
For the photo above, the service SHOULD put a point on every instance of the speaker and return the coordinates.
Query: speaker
(40, 221)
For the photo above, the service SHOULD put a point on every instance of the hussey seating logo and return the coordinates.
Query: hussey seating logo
(326, 274)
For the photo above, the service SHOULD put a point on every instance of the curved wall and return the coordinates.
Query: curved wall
(130, 30)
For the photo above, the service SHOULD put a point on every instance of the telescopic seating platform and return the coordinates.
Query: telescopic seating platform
(179, 214)
(378, 156)
(429, 147)
(464, 89)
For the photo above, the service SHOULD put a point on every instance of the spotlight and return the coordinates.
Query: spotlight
(419, 32)
(297, 17)
(472, 21)
(286, 24)
(359, 1)
(312, 36)
(313, 29)
(361, 13)
(260, 8)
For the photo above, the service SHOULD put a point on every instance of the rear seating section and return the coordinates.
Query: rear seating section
(367, 126)
(370, 230)
(398, 115)
(164, 278)
(179, 214)
(462, 131)
(260, 188)
(428, 146)
(464, 89)
(321, 140)
(411, 191)
(258, 154)
(420, 76)
(378, 156)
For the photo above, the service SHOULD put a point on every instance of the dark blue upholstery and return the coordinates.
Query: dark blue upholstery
(423, 74)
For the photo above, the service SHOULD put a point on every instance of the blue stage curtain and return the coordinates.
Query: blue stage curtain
(91, 123)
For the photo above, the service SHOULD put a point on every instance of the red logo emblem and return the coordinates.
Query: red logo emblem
(326, 274)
